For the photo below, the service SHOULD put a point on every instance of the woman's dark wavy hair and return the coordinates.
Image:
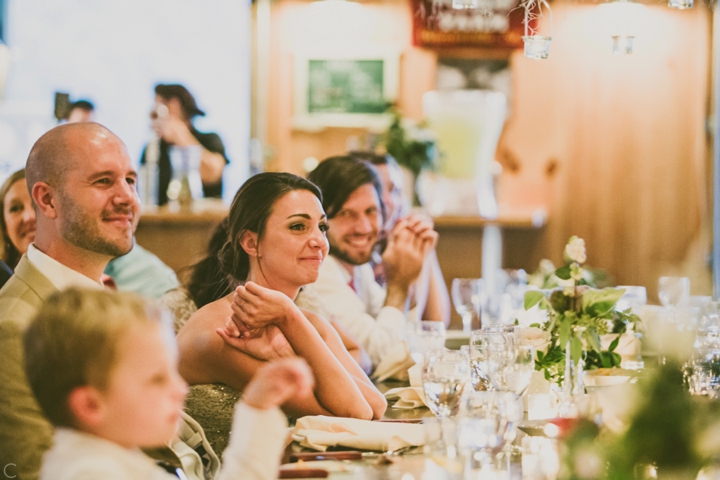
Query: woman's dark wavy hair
(226, 263)
(339, 176)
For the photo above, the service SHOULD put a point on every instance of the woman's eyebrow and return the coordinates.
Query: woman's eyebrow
(303, 215)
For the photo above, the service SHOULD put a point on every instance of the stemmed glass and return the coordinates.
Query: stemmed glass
(673, 292)
(445, 374)
(466, 295)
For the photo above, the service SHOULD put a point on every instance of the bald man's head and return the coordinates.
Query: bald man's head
(63, 148)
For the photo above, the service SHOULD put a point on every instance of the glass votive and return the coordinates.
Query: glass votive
(680, 4)
(464, 4)
(537, 47)
(542, 406)
(623, 44)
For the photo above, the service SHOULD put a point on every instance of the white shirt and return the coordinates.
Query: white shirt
(253, 453)
(361, 311)
(60, 275)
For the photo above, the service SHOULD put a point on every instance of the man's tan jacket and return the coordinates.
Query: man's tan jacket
(25, 434)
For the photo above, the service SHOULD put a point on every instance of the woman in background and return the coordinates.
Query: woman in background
(17, 223)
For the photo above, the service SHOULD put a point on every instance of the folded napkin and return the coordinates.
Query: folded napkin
(408, 397)
(394, 364)
(320, 432)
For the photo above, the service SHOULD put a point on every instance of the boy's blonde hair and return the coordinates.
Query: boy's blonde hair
(72, 342)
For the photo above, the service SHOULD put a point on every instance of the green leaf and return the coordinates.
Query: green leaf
(532, 298)
(540, 355)
(597, 303)
(593, 339)
(564, 331)
(575, 349)
(563, 272)
(614, 344)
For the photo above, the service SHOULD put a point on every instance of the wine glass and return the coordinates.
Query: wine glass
(445, 374)
(673, 292)
(466, 295)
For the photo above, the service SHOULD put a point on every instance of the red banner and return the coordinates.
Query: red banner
(495, 24)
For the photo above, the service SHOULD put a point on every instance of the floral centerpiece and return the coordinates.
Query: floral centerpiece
(578, 316)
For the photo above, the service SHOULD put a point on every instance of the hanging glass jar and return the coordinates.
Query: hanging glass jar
(537, 46)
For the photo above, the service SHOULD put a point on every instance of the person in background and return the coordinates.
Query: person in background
(376, 317)
(81, 111)
(433, 300)
(172, 118)
(82, 184)
(17, 223)
(103, 367)
(275, 245)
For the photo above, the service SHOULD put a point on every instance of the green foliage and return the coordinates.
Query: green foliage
(580, 315)
(414, 154)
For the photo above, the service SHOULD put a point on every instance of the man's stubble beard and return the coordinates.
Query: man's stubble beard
(83, 232)
(346, 257)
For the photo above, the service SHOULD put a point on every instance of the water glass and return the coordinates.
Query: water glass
(490, 349)
(514, 375)
(445, 374)
(703, 377)
(489, 421)
(467, 298)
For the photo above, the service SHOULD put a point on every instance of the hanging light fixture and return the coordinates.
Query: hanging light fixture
(622, 18)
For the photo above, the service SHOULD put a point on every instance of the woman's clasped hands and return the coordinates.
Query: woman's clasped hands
(255, 327)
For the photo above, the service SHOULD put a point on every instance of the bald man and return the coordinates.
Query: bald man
(82, 183)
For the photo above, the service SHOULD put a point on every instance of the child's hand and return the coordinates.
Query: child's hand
(277, 382)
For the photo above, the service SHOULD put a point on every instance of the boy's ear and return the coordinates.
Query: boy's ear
(86, 405)
(249, 243)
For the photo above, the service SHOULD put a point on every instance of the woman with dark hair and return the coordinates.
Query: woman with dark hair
(208, 283)
(17, 223)
(275, 244)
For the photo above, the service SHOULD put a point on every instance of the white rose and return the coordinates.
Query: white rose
(575, 250)
(535, 337)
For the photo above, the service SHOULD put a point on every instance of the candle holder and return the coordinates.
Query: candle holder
(464, 4)
(680, 4)
(623, 44)
(537, 47)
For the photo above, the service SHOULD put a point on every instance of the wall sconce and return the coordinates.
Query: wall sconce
(622, 18)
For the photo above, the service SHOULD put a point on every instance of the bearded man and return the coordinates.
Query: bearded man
(82, 183)
(375, 317)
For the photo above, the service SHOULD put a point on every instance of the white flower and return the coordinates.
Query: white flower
(575, 250)
(535, 337)
(547, 267)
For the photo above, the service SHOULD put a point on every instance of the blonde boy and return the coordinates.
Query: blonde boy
(103, 368)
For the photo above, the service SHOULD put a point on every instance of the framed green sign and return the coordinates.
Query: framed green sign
(344, 90)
